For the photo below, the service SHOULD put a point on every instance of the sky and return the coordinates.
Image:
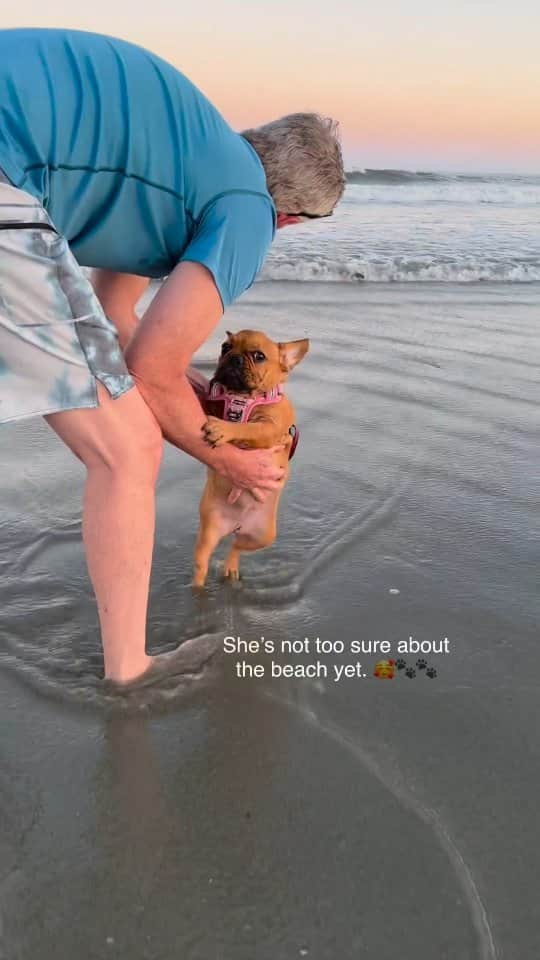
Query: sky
(424, 84)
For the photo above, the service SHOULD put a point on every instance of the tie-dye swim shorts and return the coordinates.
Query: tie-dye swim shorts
(55, 340)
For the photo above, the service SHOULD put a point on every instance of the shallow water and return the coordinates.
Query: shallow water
(213, 816)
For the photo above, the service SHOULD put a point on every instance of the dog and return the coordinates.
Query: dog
(250, 409)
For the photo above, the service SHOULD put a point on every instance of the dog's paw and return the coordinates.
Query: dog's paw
(401, 663)
(215, 431)
(410, 672)
(431, 673)
(198, 583)
(421, 664)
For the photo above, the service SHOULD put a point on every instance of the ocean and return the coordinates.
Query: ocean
(395, 225)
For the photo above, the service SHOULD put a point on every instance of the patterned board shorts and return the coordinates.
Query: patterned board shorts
(55, 340)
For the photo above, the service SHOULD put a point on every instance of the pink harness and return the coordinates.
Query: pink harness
(238, 408)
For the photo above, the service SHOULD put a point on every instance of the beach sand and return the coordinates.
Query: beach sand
(218, 818)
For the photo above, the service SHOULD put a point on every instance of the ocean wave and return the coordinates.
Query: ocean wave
(416, 190)
(454, 194)
(401, 269)
(389, 177)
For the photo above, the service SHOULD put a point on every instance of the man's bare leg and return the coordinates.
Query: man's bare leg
(120, 444)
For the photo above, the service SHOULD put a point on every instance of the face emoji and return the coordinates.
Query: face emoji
(384, 670)
(252, 363)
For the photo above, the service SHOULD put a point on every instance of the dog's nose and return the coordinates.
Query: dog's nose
(235, 360)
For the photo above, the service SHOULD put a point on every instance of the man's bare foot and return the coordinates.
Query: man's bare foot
(186, 660)
(124, 676)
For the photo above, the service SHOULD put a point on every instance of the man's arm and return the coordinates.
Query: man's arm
(119, 294)
(181, 316)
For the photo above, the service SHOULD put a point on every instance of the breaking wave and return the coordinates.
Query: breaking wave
(401, 269)
(369, 176)
(404, 187)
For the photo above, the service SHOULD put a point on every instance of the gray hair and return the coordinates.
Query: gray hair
(302, 159)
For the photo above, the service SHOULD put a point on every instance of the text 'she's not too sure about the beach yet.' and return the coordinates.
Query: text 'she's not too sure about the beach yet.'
(319, 669)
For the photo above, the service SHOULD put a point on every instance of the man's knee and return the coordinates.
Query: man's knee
(142, 453)
(130, 444)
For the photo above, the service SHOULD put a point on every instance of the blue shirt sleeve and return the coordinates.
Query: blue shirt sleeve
(232, 239)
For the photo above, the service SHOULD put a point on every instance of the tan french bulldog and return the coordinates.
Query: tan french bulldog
(250, 409)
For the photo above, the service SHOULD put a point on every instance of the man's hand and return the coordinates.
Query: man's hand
(179, 319)
(252, 470)
(219, 433)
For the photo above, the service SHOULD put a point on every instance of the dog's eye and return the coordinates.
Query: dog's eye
(225, 348)
(258, 356)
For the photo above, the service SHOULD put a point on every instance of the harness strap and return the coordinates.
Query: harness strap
(237, 408)
(295, 433)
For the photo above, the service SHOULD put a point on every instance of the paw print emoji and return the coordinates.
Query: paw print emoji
(401, 663)
(431, 673)
(421, 664)
(410, 672)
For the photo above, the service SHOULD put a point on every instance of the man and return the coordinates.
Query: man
(140, 177)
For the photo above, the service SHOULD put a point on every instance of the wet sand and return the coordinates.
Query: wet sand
(213, 817)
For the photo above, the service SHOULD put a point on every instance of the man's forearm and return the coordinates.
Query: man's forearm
(185, 310)
(179, 319)
(181, 417)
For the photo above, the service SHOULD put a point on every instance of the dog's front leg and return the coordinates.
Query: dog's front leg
(258, 432)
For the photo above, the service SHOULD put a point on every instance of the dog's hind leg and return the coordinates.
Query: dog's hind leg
(207, 540)
(231, 569)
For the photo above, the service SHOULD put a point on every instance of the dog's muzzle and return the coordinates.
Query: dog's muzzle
(231, 375)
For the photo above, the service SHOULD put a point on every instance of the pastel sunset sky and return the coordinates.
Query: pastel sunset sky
(451, 85)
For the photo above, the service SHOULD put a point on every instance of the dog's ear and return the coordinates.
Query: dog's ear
(291, 353)
(229, 334)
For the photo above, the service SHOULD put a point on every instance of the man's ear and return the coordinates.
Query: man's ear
(291, 353)
(284, 219)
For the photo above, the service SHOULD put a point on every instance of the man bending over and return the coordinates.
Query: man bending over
(110, 158)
